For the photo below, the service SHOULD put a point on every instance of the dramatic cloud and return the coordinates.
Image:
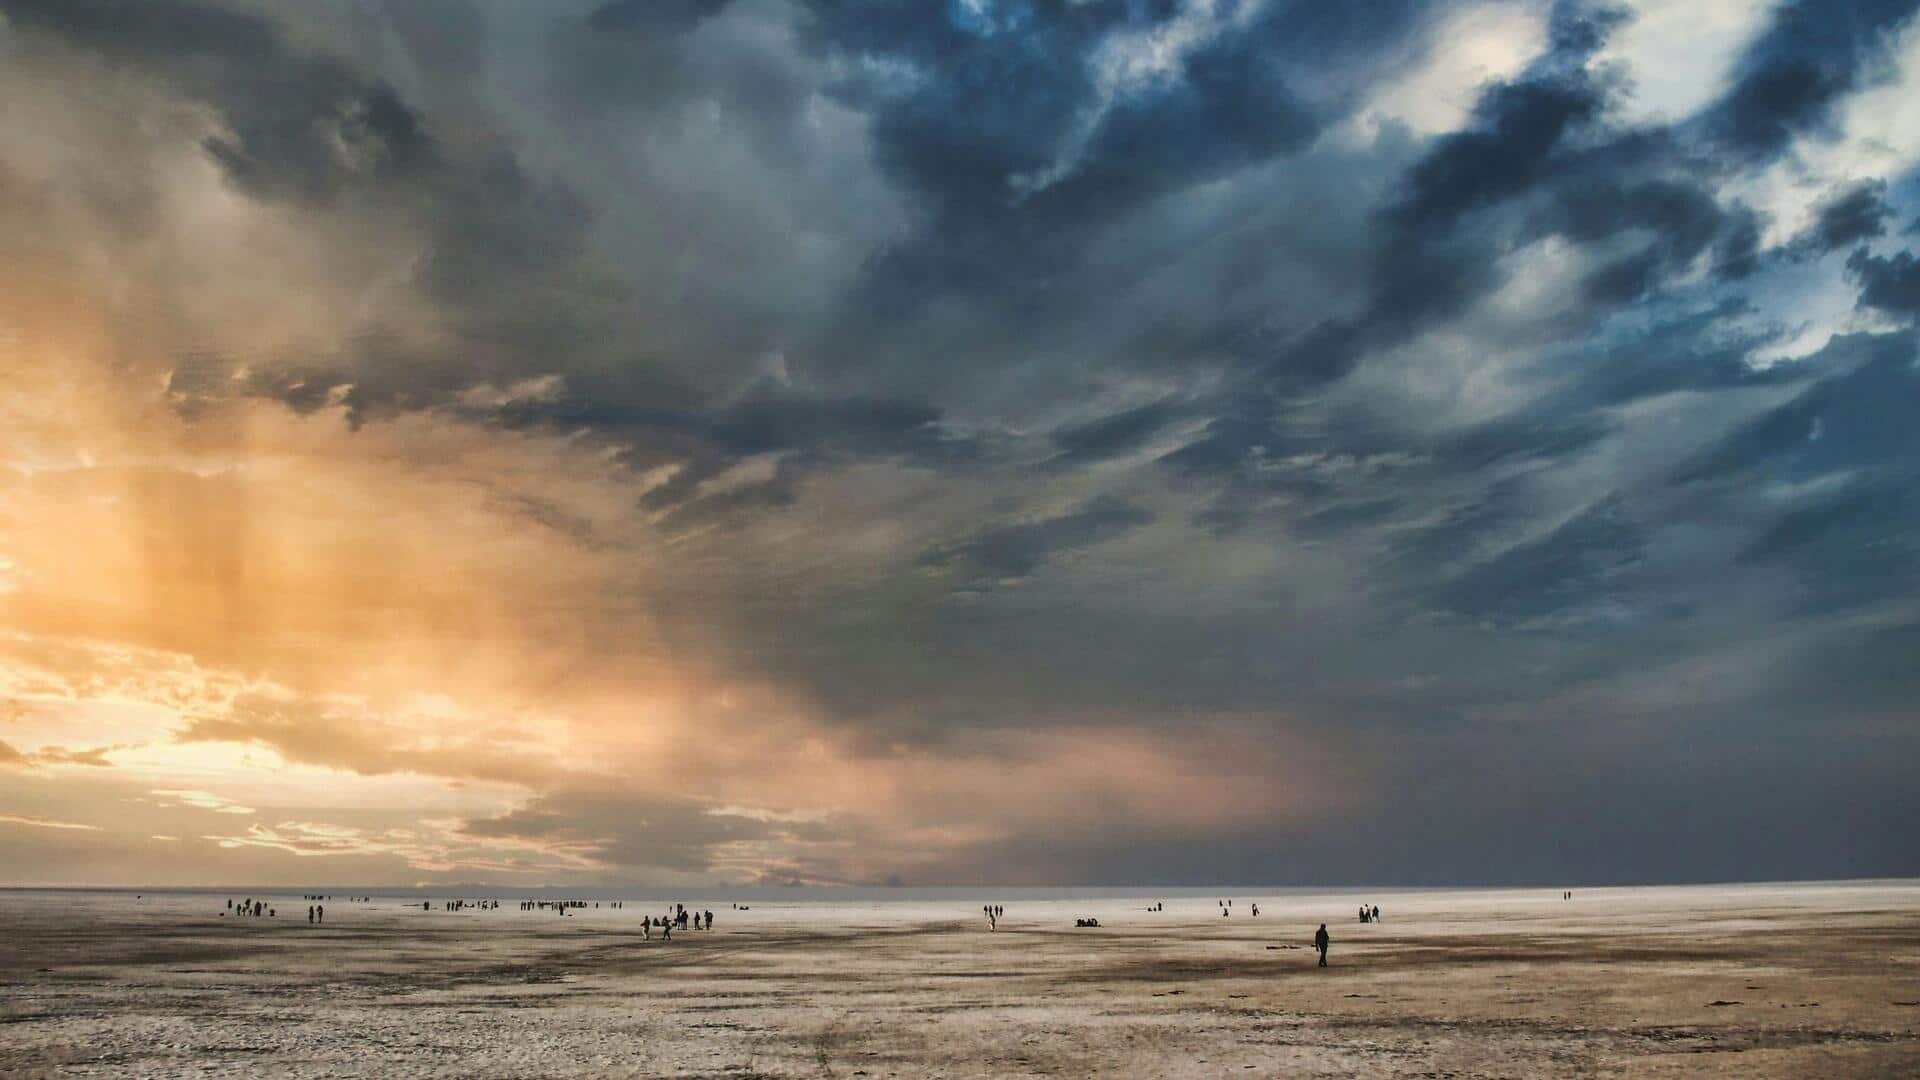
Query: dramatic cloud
(767, 440)
(1011, 552)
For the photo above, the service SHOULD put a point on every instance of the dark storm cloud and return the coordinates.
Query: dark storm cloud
(1689, 350)
(1570, 567)
(1682, 219)
(1120, 400)
(300, 125)
(1114, 434)
(1852, 215)
(1428, 265)
(807, 431)
(1424, 268)
(1890, 283)
(654, 16)
(507, 258)
(1005, 134)
(993, 100)
(1517, 127)
(1813, 55)
(1011, 552)
(1855, 417)
(765, 420)
(1848, 449)
(624, 830)
(1538, 160)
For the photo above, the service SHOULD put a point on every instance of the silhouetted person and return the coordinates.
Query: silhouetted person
(1376, 913)
(1320, 941)
(319, 913)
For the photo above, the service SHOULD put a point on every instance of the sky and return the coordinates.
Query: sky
(690, 442)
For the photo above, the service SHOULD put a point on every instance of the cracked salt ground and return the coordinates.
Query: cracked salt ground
(1759, 981)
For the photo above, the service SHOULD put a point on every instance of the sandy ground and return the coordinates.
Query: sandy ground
(1751, 980)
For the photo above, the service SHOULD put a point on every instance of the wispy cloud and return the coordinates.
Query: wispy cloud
(202, 800)
(46, 823)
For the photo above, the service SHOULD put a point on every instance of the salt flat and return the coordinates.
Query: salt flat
(1786, 980)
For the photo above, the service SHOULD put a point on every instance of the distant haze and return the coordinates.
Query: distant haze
(675, 442)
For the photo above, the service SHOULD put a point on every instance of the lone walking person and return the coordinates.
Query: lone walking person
(1320, 940)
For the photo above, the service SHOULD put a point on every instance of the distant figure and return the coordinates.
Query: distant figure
(309, 913)
(709, 920)
(1376, 913)
(1256, 910)
(320, 913)
(1320, 941)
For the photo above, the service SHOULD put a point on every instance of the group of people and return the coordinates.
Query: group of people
(558, 907)
(1321, 940)
(679, 917)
